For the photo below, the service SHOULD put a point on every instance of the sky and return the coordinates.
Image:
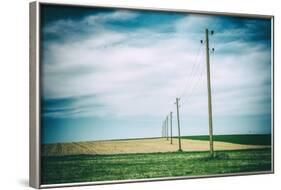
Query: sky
(115, 73)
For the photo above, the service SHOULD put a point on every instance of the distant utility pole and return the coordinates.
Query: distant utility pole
(178, 118)
(209, 93)
(171, 126)
(167, 128)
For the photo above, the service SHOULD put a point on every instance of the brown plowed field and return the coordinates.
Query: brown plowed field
(136, 146)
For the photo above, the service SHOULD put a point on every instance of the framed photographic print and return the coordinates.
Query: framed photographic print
(131, 94)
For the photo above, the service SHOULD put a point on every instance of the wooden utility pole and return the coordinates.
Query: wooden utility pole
(209, 93)
(171, 126)
(178, 118)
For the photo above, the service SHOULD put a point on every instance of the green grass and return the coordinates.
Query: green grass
(86, 168)
(239, 139)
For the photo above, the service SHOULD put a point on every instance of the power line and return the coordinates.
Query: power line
(195, 85)
(193, 81)
(194, 70)
(189, 77)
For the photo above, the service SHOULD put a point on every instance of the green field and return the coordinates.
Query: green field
(86, 168)
(258, 139)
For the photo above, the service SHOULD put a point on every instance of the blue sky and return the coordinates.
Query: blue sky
(110, 74)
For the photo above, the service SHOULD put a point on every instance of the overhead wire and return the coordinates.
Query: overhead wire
(195, 77)
(189, 77)
(196, 85)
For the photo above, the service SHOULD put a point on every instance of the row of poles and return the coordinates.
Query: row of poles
(167, 123)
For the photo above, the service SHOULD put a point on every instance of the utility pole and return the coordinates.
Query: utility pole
(171, 126)
(209, 93)
(178, 118)
(167, 128)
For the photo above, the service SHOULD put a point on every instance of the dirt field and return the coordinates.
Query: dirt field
(137, 146)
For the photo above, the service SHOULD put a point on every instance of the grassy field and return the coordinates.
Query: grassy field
(252, 139)
(86, 168)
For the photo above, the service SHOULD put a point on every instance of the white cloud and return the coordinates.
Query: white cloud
(141, 72)
(90, 23)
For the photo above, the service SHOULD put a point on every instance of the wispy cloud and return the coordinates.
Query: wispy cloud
(94, 68)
